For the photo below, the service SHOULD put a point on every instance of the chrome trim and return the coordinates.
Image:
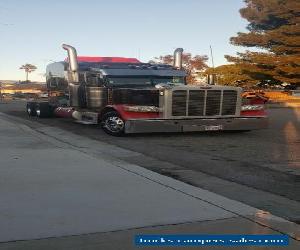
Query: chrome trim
(221, 102)
(73, 64)
(72, 56)
(166, 101)
(195, 125)
(178, 58)
(205, 98)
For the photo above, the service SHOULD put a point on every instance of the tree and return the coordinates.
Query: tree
(28, 68)
(192, 64)
(274, 28)
(231, 74)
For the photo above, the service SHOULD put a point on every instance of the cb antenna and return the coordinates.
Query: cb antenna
(212, 57)
(211, 78)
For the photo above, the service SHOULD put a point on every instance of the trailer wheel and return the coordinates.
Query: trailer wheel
(113, 124)
(43, 110)
(30, 108)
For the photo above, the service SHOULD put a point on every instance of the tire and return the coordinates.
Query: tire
(30, 108)
(113, 124)
(43, 110)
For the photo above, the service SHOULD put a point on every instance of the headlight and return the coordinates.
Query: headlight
(141, 108)
(252, 107)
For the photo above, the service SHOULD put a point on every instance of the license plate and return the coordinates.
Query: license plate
(213, 127)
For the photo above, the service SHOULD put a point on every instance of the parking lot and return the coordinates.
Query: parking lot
(259, 168)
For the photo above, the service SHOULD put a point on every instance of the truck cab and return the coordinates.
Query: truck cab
(125, 95)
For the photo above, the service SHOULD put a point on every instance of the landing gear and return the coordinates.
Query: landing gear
(30, 108)
(113, 124)
(43, 110)
(39, 109)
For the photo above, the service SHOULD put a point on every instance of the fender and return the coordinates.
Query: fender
(254, 113)
(127, 115)
(64, 112)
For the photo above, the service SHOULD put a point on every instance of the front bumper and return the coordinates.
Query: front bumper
(192, 125)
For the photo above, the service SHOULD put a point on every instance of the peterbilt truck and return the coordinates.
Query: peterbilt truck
(123, 96)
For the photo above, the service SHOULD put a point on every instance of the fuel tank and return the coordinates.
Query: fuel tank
(96, 97)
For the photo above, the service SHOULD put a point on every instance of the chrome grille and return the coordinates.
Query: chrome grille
(229, 102)
(204, 102)
(213, 99)
(179, 103)
(196, 102)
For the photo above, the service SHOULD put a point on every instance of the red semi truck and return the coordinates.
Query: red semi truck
(124, 95)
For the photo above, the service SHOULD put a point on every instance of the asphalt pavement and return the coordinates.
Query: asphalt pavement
(259, 168)
(60, 190)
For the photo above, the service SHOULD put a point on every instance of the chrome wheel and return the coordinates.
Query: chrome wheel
(114, 124)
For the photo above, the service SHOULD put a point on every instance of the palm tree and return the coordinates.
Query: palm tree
(28, 69)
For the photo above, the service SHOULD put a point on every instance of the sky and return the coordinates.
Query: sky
(32, 31)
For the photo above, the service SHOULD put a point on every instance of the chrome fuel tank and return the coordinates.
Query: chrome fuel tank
(73, 90)
(96, 97)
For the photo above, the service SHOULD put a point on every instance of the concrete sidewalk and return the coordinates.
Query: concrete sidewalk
(63, 191)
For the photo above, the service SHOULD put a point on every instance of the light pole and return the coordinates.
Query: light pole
(1, 92)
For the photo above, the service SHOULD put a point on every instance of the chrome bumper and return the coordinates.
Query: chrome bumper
(192, 125)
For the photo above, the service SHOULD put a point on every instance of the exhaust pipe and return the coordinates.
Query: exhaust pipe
(178, 58)
(73, 76)
(72, 56)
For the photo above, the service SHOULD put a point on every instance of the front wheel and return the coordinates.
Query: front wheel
(113, 124)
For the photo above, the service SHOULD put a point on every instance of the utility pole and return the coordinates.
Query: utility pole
(26, 72)
(1, 92)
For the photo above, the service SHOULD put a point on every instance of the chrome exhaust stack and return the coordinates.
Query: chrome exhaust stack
(73, 76)
(73, 64)
(178, 58)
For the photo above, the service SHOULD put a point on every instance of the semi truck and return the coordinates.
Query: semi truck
(124, 95)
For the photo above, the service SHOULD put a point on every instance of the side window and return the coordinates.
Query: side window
(94, 80)
(53, 83)
(62, 83)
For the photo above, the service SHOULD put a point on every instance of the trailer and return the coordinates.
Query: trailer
(124, 95)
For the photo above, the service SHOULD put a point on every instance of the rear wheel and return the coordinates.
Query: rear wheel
(30, 108)
(43, 110)
(113, 124)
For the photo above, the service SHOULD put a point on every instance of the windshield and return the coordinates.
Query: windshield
(151, 80)
(124, 80)
(173, 80)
